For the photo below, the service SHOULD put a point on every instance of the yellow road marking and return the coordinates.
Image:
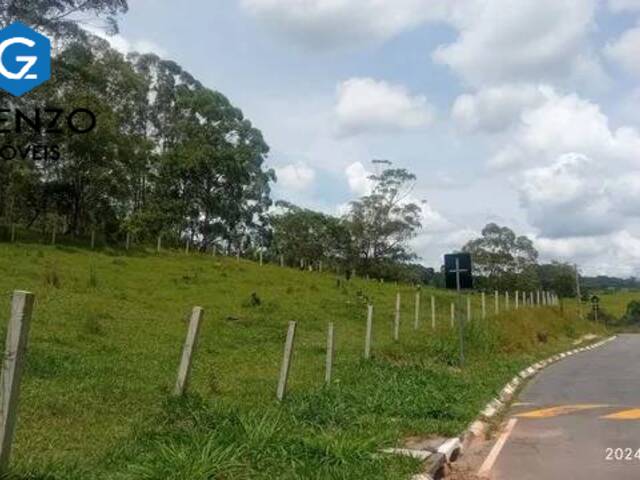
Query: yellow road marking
(557, 411)
(631, 414)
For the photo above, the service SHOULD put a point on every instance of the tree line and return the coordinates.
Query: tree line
(168, 157)
(171, 158)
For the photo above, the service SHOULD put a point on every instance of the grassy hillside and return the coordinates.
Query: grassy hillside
(106, 339)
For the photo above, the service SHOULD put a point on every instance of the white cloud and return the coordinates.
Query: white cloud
(495, 109)
(367, 105)
(567, 124)
(614, 254)
(624, 5)
(125, 45)
(297, 177)
(625, 194)
(625, 50)
(358, 179)
(528, 40)
(322, 24)
(568, 199)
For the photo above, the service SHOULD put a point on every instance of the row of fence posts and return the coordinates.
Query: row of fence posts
(22, 308)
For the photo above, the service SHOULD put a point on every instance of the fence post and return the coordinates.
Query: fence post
(53, 235)
(282, 260)
(159, 244)
(188, 351)
(433, 312)
(506, 301)
(14, 359)
(329, 360)
(127, 242)
(517, 299)
(367, 338)
(396, 324)
(468, 309)
(453, 314)
(13, 232)
(484, 306)
(260, 257)
(416, 322)
(286, 362)
(93, 238)
(497, 301)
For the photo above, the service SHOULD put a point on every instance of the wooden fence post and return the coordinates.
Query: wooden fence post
(286, 362)
(396, 323)
(187, 351)
(368, 334)
(14, 360)
(433, 312)
(416, 322)
(329, 360)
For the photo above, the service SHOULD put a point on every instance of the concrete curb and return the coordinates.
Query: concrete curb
(454, 447)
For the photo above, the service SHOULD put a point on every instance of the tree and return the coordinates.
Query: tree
(503, 260)
(60, 17)
(559, 278)
(382, 223)
(301, 234)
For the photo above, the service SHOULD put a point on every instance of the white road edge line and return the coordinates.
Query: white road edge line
(486, 467)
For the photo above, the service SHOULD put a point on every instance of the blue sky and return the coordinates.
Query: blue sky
(522, 112)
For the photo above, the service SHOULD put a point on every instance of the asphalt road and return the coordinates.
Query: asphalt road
(572, 413)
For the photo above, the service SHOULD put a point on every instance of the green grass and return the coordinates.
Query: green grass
(106, 339)
(615, 303)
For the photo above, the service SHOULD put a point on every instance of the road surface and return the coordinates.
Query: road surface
(578, 419)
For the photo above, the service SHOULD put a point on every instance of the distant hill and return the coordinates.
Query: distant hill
(603, 282)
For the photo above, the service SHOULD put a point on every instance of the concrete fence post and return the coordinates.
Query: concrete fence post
(286, 362)
(433, 312)
(453, 314)
(468, 309)
(396, 323)
(517, 298)
(329, 359)
(12, 367)
(484, 306)
(369, 332)
(497, 302)
(416, 321)
(188, 351)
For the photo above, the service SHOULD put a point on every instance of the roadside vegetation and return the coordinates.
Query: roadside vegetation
(106, 339)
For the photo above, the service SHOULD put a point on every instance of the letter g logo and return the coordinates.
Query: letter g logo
(25, 59)
(29, 61)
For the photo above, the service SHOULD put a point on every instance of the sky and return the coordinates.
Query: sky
(524, 113)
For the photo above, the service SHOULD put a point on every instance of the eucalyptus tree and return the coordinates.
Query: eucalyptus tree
(383, 222)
